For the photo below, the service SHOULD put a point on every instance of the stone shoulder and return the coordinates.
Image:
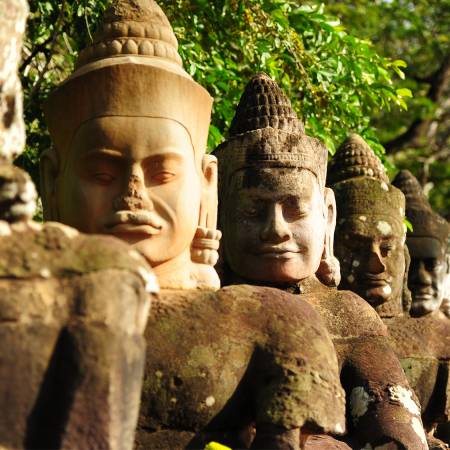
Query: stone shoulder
(283, 336)
(31, 250)
(346, 314)
(427, 336)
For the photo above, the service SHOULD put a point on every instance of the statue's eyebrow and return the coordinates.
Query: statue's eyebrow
(389, 237)
(164, 155)
(106, 152)
(357, 234)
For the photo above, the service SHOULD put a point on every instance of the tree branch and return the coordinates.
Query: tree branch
(54, 38)
(439, 82)
(38, 49)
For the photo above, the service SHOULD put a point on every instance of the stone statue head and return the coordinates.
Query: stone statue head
(276, 214)
(445, 306)
(370, 233)
(129, 129)
(427, 245)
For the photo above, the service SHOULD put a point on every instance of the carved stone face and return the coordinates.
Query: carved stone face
(426, 274)
(135, 178)
(274, 224)
(372, 258)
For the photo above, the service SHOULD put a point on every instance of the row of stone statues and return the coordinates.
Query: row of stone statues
(278, 358)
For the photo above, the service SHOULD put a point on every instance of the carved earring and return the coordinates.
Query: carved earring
(329, 271)
(49, 170)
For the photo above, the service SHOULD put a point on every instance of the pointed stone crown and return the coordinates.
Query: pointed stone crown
(132, 69)
(355, 158)
(425, 222)
(361, 185)
(133, 27)
(412, 189)
(263, 104)
(266, 132)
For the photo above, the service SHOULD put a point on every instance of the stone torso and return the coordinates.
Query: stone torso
(219, 361)
(423, 346)
(361, 339)
(72, 312)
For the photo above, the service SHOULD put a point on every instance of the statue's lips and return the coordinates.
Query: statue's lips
(130, 228)
(373, 281)
(424, 294)
(130, 222)
(277, 253)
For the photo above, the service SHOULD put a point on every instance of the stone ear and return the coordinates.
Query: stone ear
(49, 171)
(209, 201)
(406, 293)
(205, 245)
(329, 271)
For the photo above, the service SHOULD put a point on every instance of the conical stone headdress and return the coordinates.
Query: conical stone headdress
(425, 222)
(361, 185)
(266, 132)
(132, 69)
(355, 158)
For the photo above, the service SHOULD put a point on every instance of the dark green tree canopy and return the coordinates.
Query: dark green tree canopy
(338, 82)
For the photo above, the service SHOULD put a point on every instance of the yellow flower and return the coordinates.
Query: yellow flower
(216, 446)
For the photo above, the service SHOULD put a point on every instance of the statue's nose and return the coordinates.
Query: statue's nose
(134, 196)
(276, 229)
(376, 264)
(423, 275)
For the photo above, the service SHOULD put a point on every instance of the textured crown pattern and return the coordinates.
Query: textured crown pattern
(266, 131)
(412, 189)
(361, 185)
(355, 158)
(367, 197)
(133, 27)
(132, 69)
(263, 104)
(425, 222)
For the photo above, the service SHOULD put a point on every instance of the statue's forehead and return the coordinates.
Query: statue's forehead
(425, 247)
(275, 180)
(145, 135)
(372, 226)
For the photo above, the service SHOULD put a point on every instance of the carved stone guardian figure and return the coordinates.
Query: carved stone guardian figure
(427, 245)
(129, 160)
(370, 244)
(129, 91)
(370, 233)
(278, 219)
(72, 308)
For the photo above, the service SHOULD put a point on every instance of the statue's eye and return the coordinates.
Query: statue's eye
(163, 177)
(251, 211)
(386, 249)
(103, 177)
(294, 210)
(102, 169)
(432, 264)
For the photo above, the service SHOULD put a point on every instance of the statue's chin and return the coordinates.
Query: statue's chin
(422, 307)
(376, 296)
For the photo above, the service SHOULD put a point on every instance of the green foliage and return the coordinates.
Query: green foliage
(334, 79)
(418, 31)
(55, 32)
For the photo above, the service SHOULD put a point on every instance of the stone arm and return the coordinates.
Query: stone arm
(269, 437)
(382, 406)
(295, 377)
(72, 314)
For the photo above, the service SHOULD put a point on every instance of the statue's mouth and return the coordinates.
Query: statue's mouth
(134, 222)
(277, 252)
(371, 280)
(423, 294)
